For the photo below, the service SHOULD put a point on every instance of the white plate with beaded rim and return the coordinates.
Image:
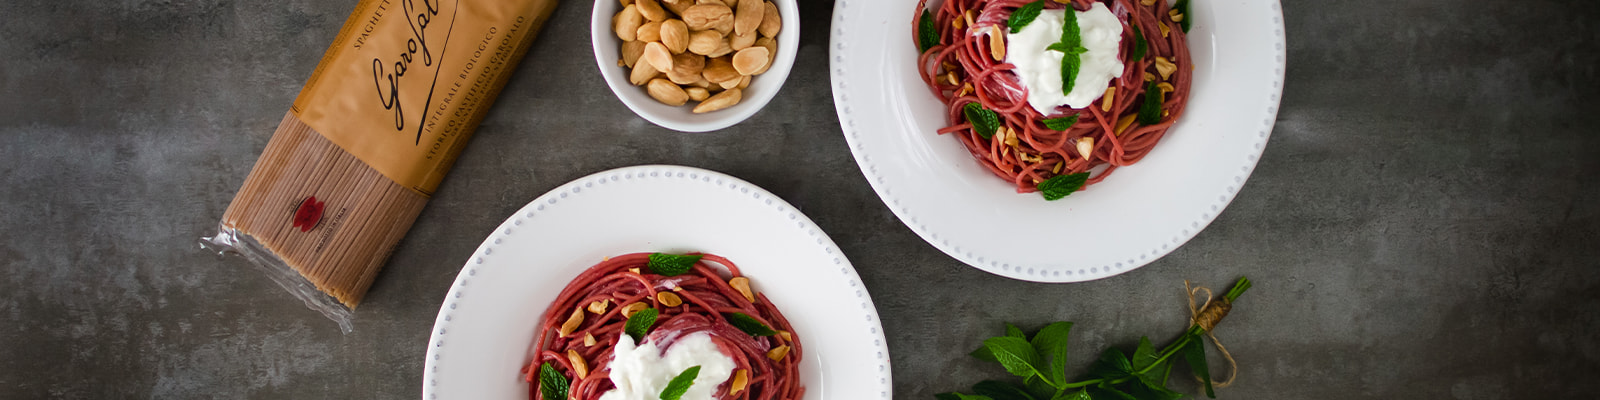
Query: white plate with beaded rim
(1140, 213)
(483, 334)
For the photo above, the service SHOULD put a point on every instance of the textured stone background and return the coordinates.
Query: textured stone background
(1424, 223)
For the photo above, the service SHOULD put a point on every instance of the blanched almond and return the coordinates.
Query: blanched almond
(631, 51)
(742, 284)
(771, 21)
(669, 299)
(747, 17)
(578, 365)
(723, 48)
(772, 52)
(657, 55)
(1123, 123)
(729, 84)
(651, 10)
(707, 16)
(599, 306)
(688, 63)
(628, 310)
(1085, 147)
(1109, 99)
(677, 6)
(628, 21)
(722, 100)
(667, 92)
(697, 93)
(720, 69)
(724, 26)
(1165, 67)
(777, 353)
(588, 339)
(642, 73)
(744, 82)
(740, 379)
(675, 35)
(704, 42)
(750, 60)
(997, 43)
(572, 322)
(682, 79)
(741, 41)
(649, 32)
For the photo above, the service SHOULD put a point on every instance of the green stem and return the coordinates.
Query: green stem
(1177, 345)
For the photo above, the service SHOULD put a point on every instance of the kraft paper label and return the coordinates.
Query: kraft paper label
(407, 81)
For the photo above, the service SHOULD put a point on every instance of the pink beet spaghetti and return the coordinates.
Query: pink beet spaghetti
(662, 299)
(962, 62)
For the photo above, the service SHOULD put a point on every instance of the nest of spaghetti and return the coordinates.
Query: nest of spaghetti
(965, 63)
(656, 301)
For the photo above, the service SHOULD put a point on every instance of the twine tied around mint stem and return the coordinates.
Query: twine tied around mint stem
(1206, 317)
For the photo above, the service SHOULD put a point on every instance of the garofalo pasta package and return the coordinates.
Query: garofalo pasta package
(369, 138)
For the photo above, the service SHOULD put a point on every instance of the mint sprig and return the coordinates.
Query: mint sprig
(1071, 48)
(984, 121)
(1061, 124)
(639, 323)
(750, 325)
(1113, 376)
(927, 33)
(680, 384)
(1061, 186)
(672, 264)
(1024, 15)
(551, 383)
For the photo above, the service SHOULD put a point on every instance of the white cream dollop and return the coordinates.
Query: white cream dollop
(1039, 69)
(641, 372)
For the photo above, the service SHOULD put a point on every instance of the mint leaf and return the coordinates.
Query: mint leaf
(983, 353)
(1140, 46)
(1071, 63)
(1145, 355)
(1051, 343)
(1024, 15)
(1183, 7)
(927, 34)
(1061, 124)
(1060, 186)
(750, 325)
(998, 390)
(1113, 364)
(1065, 48)
(1041, 389)
(680, 384)
(984, 122)
(639, 324)
(1195, 354)
(1015, 354)
(1150, 112)
(1081, 394)
(671, 264)
(552, 383)
(1014, 331)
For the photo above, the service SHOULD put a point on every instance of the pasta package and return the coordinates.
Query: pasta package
(368, 140)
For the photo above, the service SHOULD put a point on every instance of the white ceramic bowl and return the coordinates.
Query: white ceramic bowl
(608, 49)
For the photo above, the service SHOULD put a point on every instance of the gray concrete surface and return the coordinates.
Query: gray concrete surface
(1424, 224)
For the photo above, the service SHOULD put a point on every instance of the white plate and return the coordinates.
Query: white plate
(1139, 214)
(484, 331)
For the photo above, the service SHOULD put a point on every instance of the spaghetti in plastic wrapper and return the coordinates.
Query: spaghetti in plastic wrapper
(369, 138)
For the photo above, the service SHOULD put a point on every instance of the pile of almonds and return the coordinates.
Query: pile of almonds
(700, 50)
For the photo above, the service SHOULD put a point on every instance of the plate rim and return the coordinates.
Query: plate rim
(548, 201)
(1037, 273)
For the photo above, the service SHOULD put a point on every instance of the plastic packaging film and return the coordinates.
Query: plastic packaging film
(371, 135)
